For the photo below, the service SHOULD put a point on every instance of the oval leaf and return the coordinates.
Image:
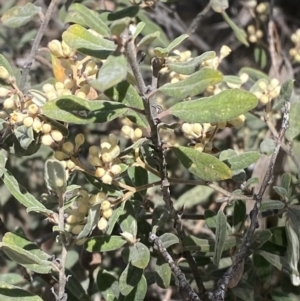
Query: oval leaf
(193, 85)
(111, 73)
(129, 279)
(242, 161)
(224, 106)
(20, 15)
(80, 39)
(221, 234)
(190, 66)
(84, 16)
(139, 255)
(77, 110)
(105, 243)
(205, 166)
(10, 292)
(163, 273)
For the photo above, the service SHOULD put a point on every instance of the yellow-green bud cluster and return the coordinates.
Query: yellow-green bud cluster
(254, 34)
(4, 74)
(295, 51)
(69, 149)
(105, 159)
(59, 89)
(267, 91)
(60, 49)
(262, 10)
(79, 210)
(130, 133)
(237, 122)
(215, 62)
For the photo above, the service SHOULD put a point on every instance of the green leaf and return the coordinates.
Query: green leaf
(286, 92)
(194, 196)
(77, 110)
(139, 27)
(10, 292)
(221, 234)
(4, 62)
(24, 135)
(148, 39)
(75, 288)
(139, 255)
(108, 284)
(152, 27)
(26, 253)
(193, 243)
(111, 73)
(277, 261)
(238, 31)
(163, 273)
(239, 216)
(3, 159)
(139, 292)
(21, 194)
(281, 191)
(129, 11)
(114, 218)
(80, 39)
(91, 222)
(129, 279)
(267, 146)
(169, 239)
(286, 181)
(292, 252)
(127, 221)
(127, 94)
(205, 166)
(224, 106)
(294, 122)
(260, 237)
(271, 205)
(20, 15)
(105, 243)
(260, 57)
(164, 52)
(193, 85)
(244, 291)
(55, 176)
(190, 66)
(11, 278)
(118, 26)
(80, 14)
(243, 161)
(160, 216)
(219, 5)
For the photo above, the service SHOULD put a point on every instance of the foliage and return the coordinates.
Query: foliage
(129, 168)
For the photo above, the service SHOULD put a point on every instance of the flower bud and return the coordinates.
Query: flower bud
(102, 224)
(4, 73)
(95, 161)
(68, 147)
(28, 121)
(107, 213)
(94, 151)
(47, 139)
(66, 49)
(79, 140)
(107, 158)
(9, 103)
(56, 135)
(107, 179)
(46, 128)
(77, 229)
(60, 156)
(138, 133)
(105, 205)
(55, 48)
(4, 92)
(116, 169)
(33, 109)
(100, 172)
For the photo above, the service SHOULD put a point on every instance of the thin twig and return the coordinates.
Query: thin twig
(243, 253)
(36, 44)
(194, 25)
(183, 284)
(64, 252)
(150, 106)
